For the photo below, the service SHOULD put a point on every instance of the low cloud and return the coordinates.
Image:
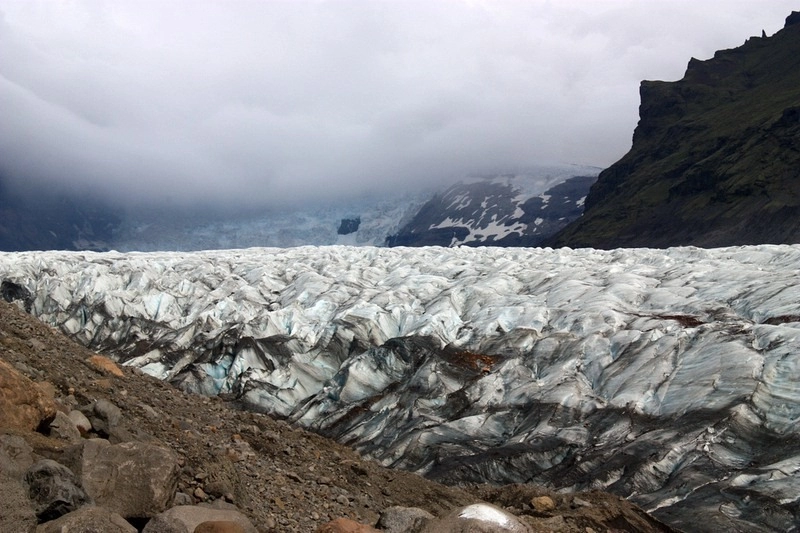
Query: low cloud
(275, 102)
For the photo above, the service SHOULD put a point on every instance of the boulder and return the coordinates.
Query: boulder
(477, 518)
(104, 364)
(219, 526)
(186, 519)
(23, 404)
(104, 416)
(543, 504)
(63, 427)
(80, 421)
(345, 525)
(134, 479)
(403, 519)
(15, 456)
(16, 510)
(12, 292)
(54, 490)
(88, 520)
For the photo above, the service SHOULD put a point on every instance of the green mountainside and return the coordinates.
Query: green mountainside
(715, 159)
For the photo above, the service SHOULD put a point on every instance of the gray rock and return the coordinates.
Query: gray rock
(105, 416)
(15, 456)
(219, 526)
(181, 498)
(54, 490)
(477, 518)
(219, 504)
(81, 422)
(16, 510)
(63, 427)
(185, 518)
(88, 520)
(403, 519)
(134, 479)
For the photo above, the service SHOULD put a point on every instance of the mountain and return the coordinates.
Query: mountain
(668, 377)
(502, 210)
(46, 220)
(509, 210)
(714, 160)
(496, 211)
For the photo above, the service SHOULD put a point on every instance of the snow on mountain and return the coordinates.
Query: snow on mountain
(495, 209)
(504, 210)
(667, 376)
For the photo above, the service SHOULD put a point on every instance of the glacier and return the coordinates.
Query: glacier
(670, 377)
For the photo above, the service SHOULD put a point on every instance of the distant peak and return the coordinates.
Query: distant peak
(792, 19)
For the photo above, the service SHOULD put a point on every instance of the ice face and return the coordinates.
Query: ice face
(666, 376)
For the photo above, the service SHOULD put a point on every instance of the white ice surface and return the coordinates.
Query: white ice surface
(659, 334)
(608, 322)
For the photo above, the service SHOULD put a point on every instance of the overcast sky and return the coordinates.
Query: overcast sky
(273, 101)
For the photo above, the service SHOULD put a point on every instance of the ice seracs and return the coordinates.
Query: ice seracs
(666, 376)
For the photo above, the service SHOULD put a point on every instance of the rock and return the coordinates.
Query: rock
(181, 498)
(578, 502)
(349, 225)
(63, 427)
(186, 518)
(104, 416)
(219, 526)
(218, 488)
(134, 479)
(219, 504)
(543, 504)
(54, 490)
(47, 388)
(11, 292)
(676, 145)
(80, 421)
(477, 518)
(15, 456)
(105, 364)
(403, 519)
(88, 520)
(16, 511)
(345, 525)
(23, 404)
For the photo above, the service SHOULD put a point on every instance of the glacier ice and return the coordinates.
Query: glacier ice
(671, 377)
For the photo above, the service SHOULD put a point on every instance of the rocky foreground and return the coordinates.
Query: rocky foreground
(87, 446)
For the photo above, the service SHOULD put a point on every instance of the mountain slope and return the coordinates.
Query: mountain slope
(46, 220)
(498, 211)
(715, 156)
(506, 210)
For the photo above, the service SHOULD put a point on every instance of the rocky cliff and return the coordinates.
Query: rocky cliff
(714, 160)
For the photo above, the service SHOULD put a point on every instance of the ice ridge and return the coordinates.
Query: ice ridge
(667, 376)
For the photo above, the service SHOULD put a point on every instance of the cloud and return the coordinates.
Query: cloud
(274, 102)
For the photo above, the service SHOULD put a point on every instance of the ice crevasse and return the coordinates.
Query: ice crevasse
(667, 376)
